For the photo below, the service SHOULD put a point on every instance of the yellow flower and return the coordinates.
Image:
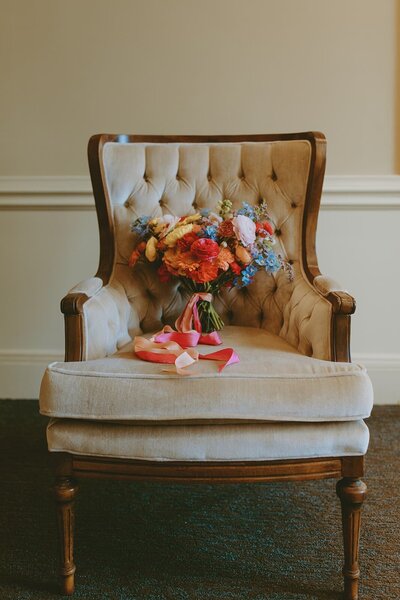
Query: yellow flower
(151, 249)
(175, 235)
(191, 218)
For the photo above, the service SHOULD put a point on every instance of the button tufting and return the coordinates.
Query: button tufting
(278, 232)
(274, 176)
(209, 177)
(127, 203)
(293, 204)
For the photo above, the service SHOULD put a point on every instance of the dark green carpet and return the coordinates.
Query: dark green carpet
(152, 541)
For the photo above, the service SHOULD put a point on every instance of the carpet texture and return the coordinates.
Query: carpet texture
(153, 541)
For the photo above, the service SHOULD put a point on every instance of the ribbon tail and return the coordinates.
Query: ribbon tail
(227, 354)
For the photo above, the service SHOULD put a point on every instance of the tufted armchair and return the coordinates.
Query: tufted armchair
(292, 409)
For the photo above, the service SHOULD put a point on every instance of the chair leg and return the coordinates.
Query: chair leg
(65, 491)
(352, 492)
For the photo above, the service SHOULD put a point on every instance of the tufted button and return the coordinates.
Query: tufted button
(209, 177)
(127, 203)
(274, 176)
(230, 315)
(278, 232)
(194, 204)
(145, 177)
(177, 177)
(161, 202)
(293, 204)
(242, 177)
(290, 261)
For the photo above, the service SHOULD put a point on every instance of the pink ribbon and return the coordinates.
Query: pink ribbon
(176, 347)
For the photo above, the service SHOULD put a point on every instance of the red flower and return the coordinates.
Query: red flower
(205, 249)
(235, 267)
(186, 241)
(226, 229)
(163, 274)
(207, 271)
(261, 228)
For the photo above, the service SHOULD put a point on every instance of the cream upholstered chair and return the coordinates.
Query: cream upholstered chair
(292, 409)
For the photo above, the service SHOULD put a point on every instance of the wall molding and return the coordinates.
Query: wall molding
(341, 192)
(22, 369)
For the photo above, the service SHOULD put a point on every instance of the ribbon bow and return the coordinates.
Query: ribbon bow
(176, 347)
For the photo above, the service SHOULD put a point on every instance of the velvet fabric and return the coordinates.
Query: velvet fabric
(272, 382)
(208, 442)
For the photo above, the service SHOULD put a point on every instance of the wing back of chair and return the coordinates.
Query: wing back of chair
(148, 175)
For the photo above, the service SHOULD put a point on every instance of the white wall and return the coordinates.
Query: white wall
(71, 69)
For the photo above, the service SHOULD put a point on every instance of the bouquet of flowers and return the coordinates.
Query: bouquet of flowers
(209, 250)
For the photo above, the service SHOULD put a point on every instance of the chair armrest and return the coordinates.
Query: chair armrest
(316, 317)
(96, 319)
(342, 302)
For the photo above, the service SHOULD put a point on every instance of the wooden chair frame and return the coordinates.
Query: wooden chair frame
(349, 469)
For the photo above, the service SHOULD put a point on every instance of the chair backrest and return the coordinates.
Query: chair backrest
(153, 175)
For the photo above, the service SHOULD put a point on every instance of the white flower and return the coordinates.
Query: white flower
(245, 229)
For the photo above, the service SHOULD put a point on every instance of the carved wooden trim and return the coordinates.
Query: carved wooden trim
(65, 490)
(352, 494)
(217, 472)
(72, 308)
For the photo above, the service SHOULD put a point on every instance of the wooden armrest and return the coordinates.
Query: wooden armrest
(72, 308)
(342, 302)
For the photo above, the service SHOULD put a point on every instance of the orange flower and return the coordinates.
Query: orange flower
(140, 248)
(243, 255)
(207, 271)
(225, 258)
(180, 262)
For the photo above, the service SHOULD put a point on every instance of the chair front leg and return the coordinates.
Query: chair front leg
(352, 492)
(65, 491)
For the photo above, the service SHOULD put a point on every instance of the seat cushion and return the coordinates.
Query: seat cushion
(272, 382)
(263, 441)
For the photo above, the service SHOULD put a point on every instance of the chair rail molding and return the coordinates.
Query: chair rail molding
(341, 192)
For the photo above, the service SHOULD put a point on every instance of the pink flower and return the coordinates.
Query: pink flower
(245, 229)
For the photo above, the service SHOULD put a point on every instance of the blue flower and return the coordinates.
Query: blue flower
(261, 260)
(250, 270)
(272, 263)
(140, 225)
(247, 210)
(211, 232)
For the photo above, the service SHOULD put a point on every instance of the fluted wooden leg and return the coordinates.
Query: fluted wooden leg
(352, 493)
(65, 491)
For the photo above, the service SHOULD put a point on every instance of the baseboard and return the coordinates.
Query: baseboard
(21, 372)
